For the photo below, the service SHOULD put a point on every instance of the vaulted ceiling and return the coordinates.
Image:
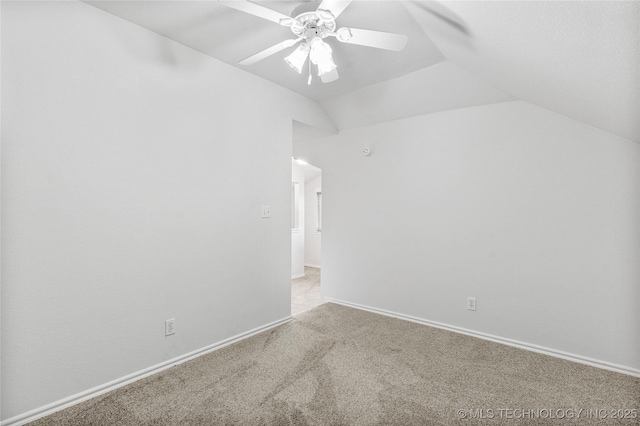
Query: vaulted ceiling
(577, 58)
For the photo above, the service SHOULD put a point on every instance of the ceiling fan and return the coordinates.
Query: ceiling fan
(310, 29)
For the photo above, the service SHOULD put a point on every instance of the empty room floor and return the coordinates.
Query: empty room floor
(305, 291)
(335, 365)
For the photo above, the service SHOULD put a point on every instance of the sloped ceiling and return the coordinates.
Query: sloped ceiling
(437, 88)
(230, 36)
(577, 58)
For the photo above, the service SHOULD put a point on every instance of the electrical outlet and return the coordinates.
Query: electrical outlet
(471, 303)
(169, 326)
(266, 211)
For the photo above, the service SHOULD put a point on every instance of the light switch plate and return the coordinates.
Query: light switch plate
(266, 211)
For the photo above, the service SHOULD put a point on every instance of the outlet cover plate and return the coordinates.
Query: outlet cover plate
(170, 327)
(471, 303)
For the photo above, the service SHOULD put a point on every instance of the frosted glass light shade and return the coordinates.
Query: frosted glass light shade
(326, 66)
(320, 55)
(297, 59)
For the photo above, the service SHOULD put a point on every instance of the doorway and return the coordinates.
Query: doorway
(306, 236)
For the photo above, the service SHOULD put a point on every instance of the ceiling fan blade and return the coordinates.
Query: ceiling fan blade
(378, 39)
(336, 7)
(269, 51)
(330, 76)
(256, 10)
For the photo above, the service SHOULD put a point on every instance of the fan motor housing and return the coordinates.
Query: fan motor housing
(311, 26)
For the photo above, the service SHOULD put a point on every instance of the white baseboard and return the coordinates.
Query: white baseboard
(293, 277)
(308, 265)
(115, 384)
(497, 339)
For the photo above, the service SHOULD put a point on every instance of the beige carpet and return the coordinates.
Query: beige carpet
(335, 365)
(305, 291)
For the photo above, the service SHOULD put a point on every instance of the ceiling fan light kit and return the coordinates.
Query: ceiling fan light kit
(297, 59)
(320, 55)
(311, 28)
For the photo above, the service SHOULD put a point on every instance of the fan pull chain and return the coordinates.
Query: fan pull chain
(309, 79)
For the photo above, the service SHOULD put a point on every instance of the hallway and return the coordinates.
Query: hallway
(305, 291)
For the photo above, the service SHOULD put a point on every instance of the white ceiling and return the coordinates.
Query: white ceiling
(577, 58)
(230, 36)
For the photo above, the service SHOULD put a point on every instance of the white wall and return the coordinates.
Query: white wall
(534, 214)
(133, 171)
(312, 238)
(297, 234)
